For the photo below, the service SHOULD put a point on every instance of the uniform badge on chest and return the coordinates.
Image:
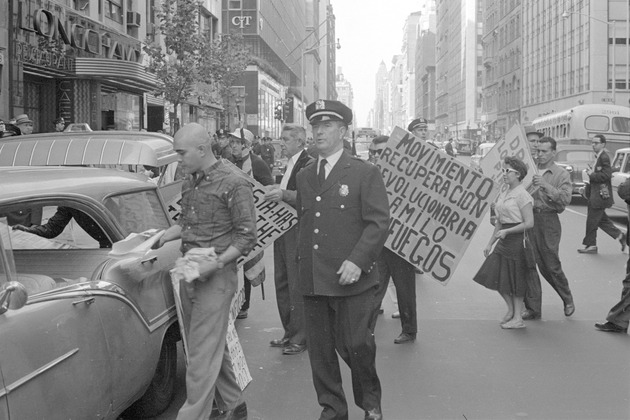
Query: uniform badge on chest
(343, 190)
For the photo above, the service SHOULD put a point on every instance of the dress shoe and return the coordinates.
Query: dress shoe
(588, 250)
(279, 342)
(529, 315)
(374, 414)
(569, 308)
(238, 413)
(293, 348)
(380, 311)
(242, 314)
(622, 240)
(405, 338)
(396, 315)
(610, 327)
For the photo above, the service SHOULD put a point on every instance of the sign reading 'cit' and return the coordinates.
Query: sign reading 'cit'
(436, 204)
(78, 35)
(241, 21)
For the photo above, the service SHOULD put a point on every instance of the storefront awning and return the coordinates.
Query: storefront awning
(118, 72)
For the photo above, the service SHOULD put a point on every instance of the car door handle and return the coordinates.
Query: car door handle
(87, 301)
(149, 260)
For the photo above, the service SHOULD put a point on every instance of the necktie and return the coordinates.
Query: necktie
(321, 175)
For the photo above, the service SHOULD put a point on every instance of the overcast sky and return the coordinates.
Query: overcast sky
(369, 31)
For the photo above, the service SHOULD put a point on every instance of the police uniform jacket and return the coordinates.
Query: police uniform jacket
(344, 219)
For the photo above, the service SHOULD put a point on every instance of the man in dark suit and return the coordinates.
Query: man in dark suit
(289, 299)
(598, 192)
(619, 315)
(343, 215)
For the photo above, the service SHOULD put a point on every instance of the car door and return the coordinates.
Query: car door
(54, 359)
(621, 166)
(135, 322)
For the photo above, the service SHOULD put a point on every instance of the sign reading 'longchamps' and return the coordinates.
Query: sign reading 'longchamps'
(86, 37)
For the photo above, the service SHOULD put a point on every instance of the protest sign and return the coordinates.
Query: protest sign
(436, 203)
(272, 219)
(513, 144)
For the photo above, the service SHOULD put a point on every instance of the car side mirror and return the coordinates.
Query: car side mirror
(13, 295)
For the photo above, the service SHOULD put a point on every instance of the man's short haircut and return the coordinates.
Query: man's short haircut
(601, 138)
(549, 140)
(380, 139)
(296, 132)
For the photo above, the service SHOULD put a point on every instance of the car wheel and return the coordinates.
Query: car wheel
(160, 393)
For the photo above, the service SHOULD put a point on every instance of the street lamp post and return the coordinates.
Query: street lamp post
(565, 15)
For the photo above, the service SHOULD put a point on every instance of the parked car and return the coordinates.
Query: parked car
(574, 158)
(465, 146)
(482, 150)
(97, 332)
(151, 154)
(621, 172)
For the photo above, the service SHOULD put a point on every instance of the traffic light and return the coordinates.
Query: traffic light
(287, 111)
(278, 113)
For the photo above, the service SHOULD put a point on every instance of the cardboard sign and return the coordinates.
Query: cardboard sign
(436, 203)
(513, 144)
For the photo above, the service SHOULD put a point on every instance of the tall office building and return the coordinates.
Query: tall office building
(458, 67)
(572, 51)
(344, 90)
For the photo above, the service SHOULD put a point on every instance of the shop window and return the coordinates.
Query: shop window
(235, 4)
(81, 5)
(114, 10)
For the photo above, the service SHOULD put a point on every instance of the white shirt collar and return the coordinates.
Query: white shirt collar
(331, 160)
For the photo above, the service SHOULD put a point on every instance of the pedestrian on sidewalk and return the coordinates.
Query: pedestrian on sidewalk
(400, 270)
(240, 144)
(598, 192)
(505, 268)
(217, 211)
(552, 195)
(289, 299)
(343, 214)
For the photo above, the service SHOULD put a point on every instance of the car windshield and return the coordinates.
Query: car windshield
(138, 211)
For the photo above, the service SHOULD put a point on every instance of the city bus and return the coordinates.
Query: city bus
(579, 124)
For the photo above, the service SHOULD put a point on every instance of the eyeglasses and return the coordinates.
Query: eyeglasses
(508, 170)
(376, 152)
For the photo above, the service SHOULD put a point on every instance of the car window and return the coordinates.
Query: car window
(54, 226)
(619, 161)
(138, 211)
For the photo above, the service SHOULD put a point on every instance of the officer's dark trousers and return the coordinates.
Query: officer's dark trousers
(404, 277)
(342, 325)
(546, 238)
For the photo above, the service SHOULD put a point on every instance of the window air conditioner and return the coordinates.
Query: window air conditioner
(133, 19)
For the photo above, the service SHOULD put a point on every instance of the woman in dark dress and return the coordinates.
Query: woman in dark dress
(505, 269)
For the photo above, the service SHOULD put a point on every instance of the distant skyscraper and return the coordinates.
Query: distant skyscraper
(344, 90)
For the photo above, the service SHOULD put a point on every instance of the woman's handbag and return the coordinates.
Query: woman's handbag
(528, 249)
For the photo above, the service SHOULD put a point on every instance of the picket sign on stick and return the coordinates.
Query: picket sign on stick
(436, 204)
(513, 144)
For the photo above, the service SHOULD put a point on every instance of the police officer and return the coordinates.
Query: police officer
(343, 215)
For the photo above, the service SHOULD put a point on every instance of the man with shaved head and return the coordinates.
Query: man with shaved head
(217, 211)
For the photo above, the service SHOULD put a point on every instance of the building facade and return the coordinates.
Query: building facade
(571, 55)
(458, 68)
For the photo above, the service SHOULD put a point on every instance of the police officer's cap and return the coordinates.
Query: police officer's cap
(417, 123)
(221, 132)
(326, 110)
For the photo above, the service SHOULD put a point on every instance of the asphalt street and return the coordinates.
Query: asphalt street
(463, 365)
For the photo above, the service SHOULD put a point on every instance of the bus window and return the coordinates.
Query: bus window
(621, 124)
(596, 123)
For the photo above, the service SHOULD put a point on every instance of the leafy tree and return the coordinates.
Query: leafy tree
(192, 62)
